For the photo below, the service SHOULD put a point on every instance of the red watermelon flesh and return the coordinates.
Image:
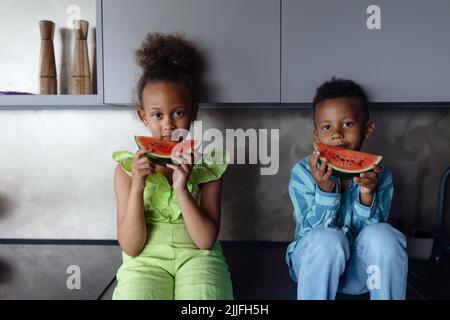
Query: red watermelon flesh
(346, 161)
(161, 150)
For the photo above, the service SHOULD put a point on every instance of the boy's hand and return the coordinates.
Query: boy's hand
(323, 174)
(368, 182)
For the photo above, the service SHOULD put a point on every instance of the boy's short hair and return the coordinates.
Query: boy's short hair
(340, 88)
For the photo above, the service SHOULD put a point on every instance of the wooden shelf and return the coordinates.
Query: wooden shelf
(31, 101)
(51, 100)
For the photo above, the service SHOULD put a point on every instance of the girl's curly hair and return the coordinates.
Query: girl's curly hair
(167, 58)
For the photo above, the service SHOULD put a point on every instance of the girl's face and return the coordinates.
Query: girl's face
(166, 107)
(338, 122)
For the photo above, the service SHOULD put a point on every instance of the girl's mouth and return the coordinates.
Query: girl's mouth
(166, 137)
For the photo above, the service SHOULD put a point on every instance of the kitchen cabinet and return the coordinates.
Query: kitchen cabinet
(406, 60)
(271, 53)
(240, 40)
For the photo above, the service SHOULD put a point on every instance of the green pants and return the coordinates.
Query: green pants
(171, 267)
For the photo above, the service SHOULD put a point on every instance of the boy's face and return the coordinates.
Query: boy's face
(339, 122)
(166, 107)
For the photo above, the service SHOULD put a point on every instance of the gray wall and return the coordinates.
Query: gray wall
(57, 179)
(414, 142)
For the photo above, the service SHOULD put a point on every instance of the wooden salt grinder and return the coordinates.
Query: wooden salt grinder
(81, 76)
(47, 72)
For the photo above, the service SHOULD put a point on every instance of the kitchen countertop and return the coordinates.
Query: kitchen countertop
(43, 271)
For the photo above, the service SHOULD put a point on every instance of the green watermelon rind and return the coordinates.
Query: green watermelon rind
(155, 158)
(349, 173)
(162, 161)
(159, 159)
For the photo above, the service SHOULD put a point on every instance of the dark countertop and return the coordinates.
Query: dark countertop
(40, 271)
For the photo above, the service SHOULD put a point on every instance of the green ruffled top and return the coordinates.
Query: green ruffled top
(160, 202)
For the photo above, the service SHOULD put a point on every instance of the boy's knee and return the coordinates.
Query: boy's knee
(325, 242)
(382, 238)
(324, 247)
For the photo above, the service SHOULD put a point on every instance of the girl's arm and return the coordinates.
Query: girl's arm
(202, 220)
(131, 225)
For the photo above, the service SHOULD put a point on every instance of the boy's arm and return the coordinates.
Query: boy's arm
(378, 211)
(312, 206)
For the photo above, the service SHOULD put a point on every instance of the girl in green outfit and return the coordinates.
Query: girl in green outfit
(168, 218)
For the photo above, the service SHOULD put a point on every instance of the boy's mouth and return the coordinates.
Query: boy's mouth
(342, 145)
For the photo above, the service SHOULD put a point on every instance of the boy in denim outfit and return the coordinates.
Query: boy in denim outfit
(342, 241)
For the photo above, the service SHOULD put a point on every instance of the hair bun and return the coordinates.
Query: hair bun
(167, 51)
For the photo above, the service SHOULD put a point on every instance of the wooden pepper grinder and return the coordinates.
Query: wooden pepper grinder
(81, 76)
(47, 73)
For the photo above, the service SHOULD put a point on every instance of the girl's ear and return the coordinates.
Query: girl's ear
(370, 129)
(141, 113)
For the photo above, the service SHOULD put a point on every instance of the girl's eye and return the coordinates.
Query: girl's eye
(157, 115)
(348, 124)
(179, 113)
(326, 127)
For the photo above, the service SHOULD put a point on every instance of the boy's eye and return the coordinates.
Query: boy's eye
(179, 113)
(326, 127)
(157, 115)
(348, 124)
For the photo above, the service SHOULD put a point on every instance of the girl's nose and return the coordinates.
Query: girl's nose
(168, 123)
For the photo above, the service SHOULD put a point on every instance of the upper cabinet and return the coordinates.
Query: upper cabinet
(240, 40)
(51, 53)
(399, 50)
(256, 51)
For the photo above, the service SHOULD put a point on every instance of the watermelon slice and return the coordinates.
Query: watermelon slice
(345, 162)
(162, 149)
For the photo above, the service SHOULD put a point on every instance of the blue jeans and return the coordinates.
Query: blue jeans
(324, 264)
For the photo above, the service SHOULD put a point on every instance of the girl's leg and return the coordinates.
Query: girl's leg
(379, 264)
(143, 282)
(318, 262)
(202, 275)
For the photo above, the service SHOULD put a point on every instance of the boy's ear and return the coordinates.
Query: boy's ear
(141, 114)
(315, 135)
(370, 129)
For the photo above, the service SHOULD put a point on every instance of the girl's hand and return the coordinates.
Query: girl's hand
(368, 181)
(322, 176)
(181, 171)
(141, 168)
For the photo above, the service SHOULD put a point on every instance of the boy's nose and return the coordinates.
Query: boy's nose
(337, 134)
